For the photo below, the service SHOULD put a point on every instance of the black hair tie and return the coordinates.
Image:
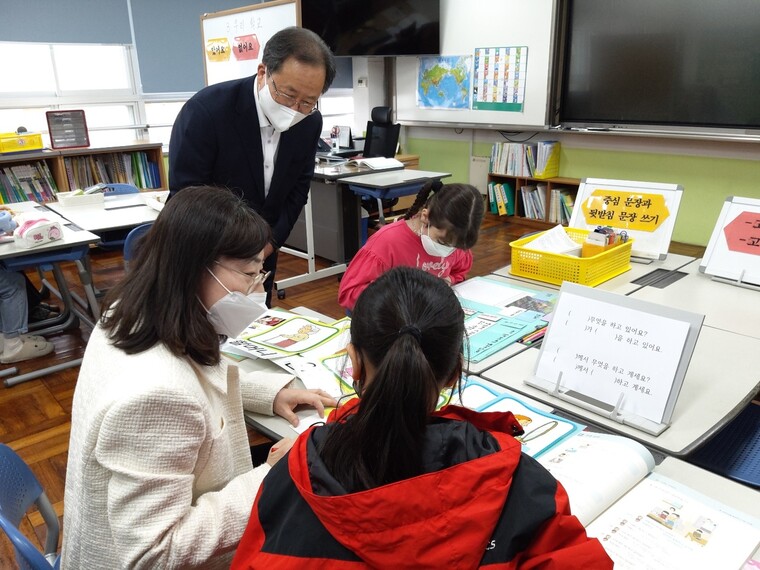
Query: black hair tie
(436, 186)
(412, 330)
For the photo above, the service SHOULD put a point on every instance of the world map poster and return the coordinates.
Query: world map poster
(444, 82)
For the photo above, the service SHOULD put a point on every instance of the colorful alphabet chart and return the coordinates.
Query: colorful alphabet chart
(499, 78)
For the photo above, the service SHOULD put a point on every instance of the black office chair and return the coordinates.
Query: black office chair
(381, 140)
(382, 134)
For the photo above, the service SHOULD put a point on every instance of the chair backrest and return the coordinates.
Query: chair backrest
(382, 134)
(19, 490)
(132, 241)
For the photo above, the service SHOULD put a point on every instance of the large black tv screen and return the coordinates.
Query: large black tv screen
(662, 62)
(375, 27)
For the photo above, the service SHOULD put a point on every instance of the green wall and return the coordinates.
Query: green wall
(706, 181)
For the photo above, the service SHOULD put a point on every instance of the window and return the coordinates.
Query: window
(97, 78)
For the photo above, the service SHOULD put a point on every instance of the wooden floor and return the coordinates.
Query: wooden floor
(35, 416)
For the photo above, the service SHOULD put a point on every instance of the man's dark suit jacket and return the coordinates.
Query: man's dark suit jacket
(216, 140)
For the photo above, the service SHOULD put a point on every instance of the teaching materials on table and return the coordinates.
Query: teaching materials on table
(542, 429)
(498, 314)
(642, 518)
(617, 356)
(376, 163)
(645, 210)
(557, 268)
(733, 252)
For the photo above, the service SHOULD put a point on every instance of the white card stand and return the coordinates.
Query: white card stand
(616, 408)
(647, 246)
(720, 262)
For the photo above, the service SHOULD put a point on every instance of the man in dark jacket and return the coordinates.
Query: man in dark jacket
(258, 135)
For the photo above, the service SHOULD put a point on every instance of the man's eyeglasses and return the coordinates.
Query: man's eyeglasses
(305, 107)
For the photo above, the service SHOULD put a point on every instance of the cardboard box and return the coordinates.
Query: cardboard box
(11, 142)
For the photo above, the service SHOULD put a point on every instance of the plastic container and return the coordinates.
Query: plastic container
(556, 268)
(24, 142)
(79, 199)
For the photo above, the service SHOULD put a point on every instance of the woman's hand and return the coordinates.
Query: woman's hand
(288, 399)
(279, 449)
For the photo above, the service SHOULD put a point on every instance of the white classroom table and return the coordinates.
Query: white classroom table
(721, 380)
(623, 283)
(71, 238)
(725, 306)
(116, 212)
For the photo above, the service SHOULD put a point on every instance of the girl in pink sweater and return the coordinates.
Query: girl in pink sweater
(436, 235)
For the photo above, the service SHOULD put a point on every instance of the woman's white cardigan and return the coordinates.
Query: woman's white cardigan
(159, 468)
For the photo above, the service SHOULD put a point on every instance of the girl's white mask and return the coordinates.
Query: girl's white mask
(434, 248)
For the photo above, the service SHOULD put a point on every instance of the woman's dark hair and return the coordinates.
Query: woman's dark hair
(302, 45)
(157, 301)
(456, 208)
(410, 326)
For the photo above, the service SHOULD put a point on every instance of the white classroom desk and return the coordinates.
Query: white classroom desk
(725, 306)
(116, 212)
(623, 283)
(71, 238)
(721, 380)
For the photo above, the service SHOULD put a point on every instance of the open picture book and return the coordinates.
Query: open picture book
(376, 163)
(643, 519)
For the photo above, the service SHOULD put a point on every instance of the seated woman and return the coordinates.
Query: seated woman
(391, 483)
(436, 235)
(159, 468)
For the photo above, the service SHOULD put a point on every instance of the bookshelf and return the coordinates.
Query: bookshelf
(544, 186)
(39, 175)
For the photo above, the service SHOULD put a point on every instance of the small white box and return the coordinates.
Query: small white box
(79, 199)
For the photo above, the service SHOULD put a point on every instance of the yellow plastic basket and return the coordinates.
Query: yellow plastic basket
(556, 268)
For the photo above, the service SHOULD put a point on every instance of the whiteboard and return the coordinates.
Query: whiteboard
(467, 25)
(646, 211)
(733, 252)
(234, 40)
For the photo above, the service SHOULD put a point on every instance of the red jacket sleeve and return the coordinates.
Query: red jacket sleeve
(563, 543)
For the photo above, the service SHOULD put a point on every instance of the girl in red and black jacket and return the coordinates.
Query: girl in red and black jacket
(390, 483)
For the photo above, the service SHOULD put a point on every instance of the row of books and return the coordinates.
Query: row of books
(24, 182)
(561, 205)
(122, 167)
(536, 160)
(501, 199)
(534, 201)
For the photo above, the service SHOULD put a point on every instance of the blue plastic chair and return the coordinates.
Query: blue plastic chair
(132, 241)
(19, 489)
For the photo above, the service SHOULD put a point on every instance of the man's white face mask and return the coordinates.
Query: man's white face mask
(281, 117)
